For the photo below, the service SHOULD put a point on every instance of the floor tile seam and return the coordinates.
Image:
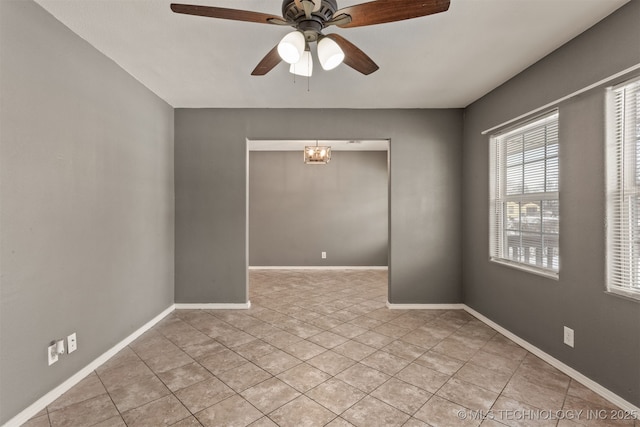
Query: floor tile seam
(155, 373)
(79, 402)
(48, 411)
(591, 403)
(121, 365)
(410, 360)
(137, 353)
(330, 410)
(223, 400)
(248, 361)
(119, 415)
(145, 403)
(302, 360)
(185, 404)
(110, 398)
(474, 353)
(373, 397)
(337, 373)
(226, 348)
(520, 403)
(401, 410)
(483, 367)
(159, 379)
(266, 414)
(49, 416)
(542, 386)
(511, 378)
(512, 374)
(475, 385)
(327, 423)
(185, 418)
(471, 410)
(152, 401)
(180, 347)
(565, 392)
(439, 388)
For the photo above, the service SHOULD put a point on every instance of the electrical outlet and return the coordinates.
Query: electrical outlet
(72, 343)
(568, 336)
(324, 255)
(60, 347)
(52, 354)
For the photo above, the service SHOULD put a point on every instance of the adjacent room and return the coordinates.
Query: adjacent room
(466, 255)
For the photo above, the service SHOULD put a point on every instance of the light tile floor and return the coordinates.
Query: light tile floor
(320, 348)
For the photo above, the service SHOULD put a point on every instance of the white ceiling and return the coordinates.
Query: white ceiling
(445, 60)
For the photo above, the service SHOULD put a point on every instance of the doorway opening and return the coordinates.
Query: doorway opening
(333, 216)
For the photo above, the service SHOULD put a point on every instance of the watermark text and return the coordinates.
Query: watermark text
(541, 414)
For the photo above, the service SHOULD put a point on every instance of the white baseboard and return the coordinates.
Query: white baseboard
(48, 398)
(213, 306)
(319, 267)
(425, 306)
(589, 383)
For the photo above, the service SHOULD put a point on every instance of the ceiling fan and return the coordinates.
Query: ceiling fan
(309, 18)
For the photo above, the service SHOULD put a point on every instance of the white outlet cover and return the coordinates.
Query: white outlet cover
(72, 343)
(568, 336)
(52, 354)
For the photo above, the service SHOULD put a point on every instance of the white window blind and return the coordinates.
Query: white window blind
(623, 189)
(524, 205)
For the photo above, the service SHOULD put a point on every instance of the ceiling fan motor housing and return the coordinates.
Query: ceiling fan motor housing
(311, 27)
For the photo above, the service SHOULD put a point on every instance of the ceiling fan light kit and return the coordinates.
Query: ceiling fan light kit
(309, 18)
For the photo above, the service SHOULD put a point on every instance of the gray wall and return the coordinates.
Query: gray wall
(86, 223)
(211, 168)
(607, 327)
(297, 211)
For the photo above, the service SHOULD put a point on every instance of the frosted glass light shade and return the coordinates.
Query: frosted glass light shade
(291, 47)
(304, 67)
(329, 54)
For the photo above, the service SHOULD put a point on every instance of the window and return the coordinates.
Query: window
(623, 189)
(524, 205)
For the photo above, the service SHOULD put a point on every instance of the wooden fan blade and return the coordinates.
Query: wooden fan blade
(354, 57)
(268, 63)
(381, 11)
(223, 13)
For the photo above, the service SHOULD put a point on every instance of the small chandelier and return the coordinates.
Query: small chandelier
(317, 155)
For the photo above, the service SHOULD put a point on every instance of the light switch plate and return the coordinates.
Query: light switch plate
(568, 336)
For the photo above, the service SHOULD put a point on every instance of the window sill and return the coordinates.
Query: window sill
(624, 294)
(529, 269)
